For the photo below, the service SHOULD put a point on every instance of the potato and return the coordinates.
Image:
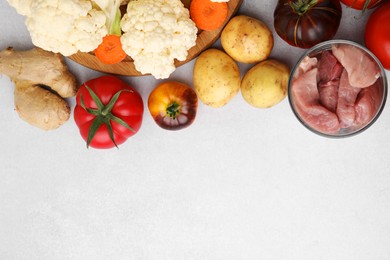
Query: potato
(217, 78)
(265, 85)
(247, 39)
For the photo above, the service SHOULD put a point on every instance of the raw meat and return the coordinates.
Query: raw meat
(305, 65)
(368, 103)
(306, 100)
(346, 101)
(328, 67)
(362, 70)
(329, 71)
(335, 89)
(320, 119)
(305, 89)
(329, 94)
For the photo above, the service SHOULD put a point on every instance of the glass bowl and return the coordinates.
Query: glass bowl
(338, 88)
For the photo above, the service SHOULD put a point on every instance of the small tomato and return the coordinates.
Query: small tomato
(173, 105)
(107, 112)
(377, 34)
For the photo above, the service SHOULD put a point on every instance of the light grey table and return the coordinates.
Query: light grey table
(240, 183)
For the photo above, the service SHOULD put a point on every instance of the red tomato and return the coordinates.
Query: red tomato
(107, 112)
(304, 23)
(377, 34)
(173, 105)
(361, 4)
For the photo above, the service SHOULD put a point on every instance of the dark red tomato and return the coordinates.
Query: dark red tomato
(304, 23)
(377, 34)
(107, 112)
(361, 4)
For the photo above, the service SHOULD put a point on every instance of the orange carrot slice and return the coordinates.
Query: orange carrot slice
(208, 15)
(110, 50)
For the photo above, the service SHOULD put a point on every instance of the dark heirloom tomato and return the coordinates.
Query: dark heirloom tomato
(304, 23)
(173, 105)
(107, 112)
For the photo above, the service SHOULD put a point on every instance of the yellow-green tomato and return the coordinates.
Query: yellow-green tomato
(216, 78)
(173, 105)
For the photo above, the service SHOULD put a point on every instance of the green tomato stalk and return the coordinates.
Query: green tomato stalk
(173, 110)
(366, 4)
(103, 115)
(302, 6)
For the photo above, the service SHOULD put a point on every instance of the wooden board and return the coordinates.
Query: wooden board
(126, 67)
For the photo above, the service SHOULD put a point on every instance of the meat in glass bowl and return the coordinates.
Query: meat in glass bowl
(338, 88)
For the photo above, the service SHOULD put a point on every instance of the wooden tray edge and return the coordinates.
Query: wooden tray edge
(127, 67)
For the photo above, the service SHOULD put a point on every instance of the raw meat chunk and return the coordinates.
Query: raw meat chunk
(328, 67)
(320, 119)
(362, 70)
(305, 88)
(346, 101)
(329, 71)
(306, 100)
(305, 65)
(368, 103)
(329, 94)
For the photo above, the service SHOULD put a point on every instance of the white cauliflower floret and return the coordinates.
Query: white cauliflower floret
(65, 26)
(156, 32)
(21, 6)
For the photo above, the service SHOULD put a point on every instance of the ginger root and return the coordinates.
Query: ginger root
(42, 82)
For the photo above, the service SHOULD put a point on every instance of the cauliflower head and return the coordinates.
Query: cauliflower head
(155, 33)
(63, 26)
(21, 6)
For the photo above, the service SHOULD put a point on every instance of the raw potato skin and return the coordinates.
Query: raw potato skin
(265, 85)
(42, 82)
(217, 78)
(247, 39)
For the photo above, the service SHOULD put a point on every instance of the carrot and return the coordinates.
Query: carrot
(208, 15)
(110, 50)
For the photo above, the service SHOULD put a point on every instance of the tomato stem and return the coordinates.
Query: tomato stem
(302, 6)
(103, 115)
(173, 110)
